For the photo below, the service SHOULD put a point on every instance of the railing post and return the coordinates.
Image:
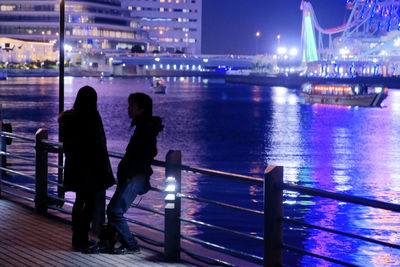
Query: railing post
(3, 144)
(41, 171)
(273, 210)
(172, 223)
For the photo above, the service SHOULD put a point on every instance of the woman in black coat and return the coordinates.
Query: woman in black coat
(87, 166)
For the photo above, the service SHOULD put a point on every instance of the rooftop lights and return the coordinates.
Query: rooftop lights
(282, 50)
(293, 52)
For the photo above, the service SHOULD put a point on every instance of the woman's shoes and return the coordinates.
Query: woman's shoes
(82, 245)
(100, 247)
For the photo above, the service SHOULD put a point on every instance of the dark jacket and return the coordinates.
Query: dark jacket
(142, 148)
(87, 165)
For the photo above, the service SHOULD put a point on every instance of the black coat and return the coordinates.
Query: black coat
(142, 148)
(87, 165)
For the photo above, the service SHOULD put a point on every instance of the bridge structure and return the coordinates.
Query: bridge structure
(369, 40)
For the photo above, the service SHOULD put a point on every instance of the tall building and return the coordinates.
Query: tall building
(90, 25)
(174, 24)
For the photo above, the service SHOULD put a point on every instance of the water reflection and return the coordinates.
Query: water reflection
(242, 128)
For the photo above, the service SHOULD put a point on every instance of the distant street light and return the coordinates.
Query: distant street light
(279, 39)
(293, 52)
(258, 34)
(282, 50)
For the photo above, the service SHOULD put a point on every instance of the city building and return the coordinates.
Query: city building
(99, 26)
(174, 24)
(12, 50)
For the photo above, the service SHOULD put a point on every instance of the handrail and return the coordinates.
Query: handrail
(340, 197)
(221, 174)
(371, 240)
(16, 136)
(222, 229)
(219, 204)
(273, 205)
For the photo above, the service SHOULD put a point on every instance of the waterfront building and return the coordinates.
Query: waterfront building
(174, 24)
(90, 26)
(13, 50)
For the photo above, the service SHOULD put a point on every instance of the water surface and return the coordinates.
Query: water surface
(241, 129)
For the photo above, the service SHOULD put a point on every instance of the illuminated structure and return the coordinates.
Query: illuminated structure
(368, 43)
(174, 24)
(13, 50)
(90, 26)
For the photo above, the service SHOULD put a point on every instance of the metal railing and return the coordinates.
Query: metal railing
(171, 236)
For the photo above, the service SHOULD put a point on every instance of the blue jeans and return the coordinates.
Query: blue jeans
(120, 202)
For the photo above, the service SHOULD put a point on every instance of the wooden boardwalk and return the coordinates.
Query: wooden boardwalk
(29, 239)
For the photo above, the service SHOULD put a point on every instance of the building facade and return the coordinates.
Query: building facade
(91, 26)
(13, 50)
(174, 24)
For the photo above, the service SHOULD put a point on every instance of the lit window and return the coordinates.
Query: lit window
(161, 9)
(162, 1)
(7, 8)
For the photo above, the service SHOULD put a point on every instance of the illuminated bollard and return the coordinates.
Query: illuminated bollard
(172, 224)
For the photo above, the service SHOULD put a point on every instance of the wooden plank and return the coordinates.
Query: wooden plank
(28, 239)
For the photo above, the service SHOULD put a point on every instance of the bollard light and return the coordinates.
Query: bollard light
(171, 191)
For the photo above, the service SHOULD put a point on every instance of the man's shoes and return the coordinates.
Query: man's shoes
(82, 246)
(100, 247)
(124, 250)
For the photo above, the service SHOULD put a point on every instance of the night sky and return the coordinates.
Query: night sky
(229, 26)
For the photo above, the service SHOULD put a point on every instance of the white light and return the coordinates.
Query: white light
(170, 179)
(170, 197)
(397, 42)
(67, 48)
(157, 59)
(293, 52)
(170, 188)
(344, 51)
(282, 50)
(205, 60)
(170, 206)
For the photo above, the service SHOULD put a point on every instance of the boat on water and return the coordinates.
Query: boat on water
(344, 94)
(158, 86)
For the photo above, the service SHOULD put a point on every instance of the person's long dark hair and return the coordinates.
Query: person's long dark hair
(86, 100)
